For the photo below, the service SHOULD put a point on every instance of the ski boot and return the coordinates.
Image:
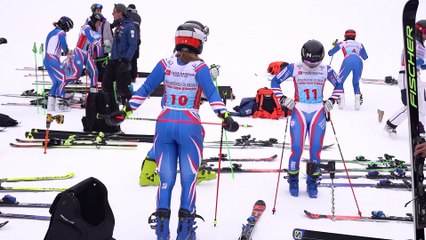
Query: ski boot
(160, 223)
(205, 173)
(312, 186)
(51, 102)
(149, 175)
(186, 228)
(293, 180)
(358, 101)
(62, 105)
(342, 101)
(390, 128)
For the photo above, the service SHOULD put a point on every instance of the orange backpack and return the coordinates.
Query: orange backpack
(268, 105)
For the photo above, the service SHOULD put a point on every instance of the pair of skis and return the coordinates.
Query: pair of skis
(376, 216)
(34, 189)
(40, 134)
(10, 201)
(59, 143)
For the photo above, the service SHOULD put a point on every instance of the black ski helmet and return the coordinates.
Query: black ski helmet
(312, 51)
(205, 29)
(190, 37)
(350, 34)
(96, 17)
(65, 23)
(96, 6)
(420, 29)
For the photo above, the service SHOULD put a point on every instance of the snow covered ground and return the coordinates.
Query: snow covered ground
(245, 37)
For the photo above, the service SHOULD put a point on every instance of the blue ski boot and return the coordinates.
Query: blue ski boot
(161, 226)
(186, 228)
(293, 180)
(312, 186)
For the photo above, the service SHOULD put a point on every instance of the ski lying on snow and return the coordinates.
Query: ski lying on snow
(41, 134)
(258, 209)
(237, 168)
(259, 145)
(385, 183)
(10, 201)
(23, 216)
(38, 178)
(3, 223)
(31, 189)
(384, 218)
(74, 144)
(305, 234)
(370, 175)
(216, 159)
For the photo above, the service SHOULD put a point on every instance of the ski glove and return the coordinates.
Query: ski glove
(231, 125)
(328, 105)
(276, 67)
(3, 40)
(117, 117)
(214, 70)
(124, 65)
(287, 102)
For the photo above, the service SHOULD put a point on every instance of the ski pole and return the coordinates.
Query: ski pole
(41, 51)
(344, 164)
(334, 44)
(103, 116)
(222, 133)
(226, 136)
(49, 119)
(281, 162)
(218, 176)
(35, 70)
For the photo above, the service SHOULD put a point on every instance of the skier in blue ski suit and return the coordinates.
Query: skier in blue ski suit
(354, 53)
(309, 109)
(56, 46)
(179, 134)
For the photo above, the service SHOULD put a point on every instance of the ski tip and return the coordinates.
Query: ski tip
(274, 156)
(71, 174)
(260, 202)
(3, 223)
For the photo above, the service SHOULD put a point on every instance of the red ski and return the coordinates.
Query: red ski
(258, 209)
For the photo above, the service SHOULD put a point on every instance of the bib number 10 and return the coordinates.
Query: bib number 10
(182, 100)
(308, 94)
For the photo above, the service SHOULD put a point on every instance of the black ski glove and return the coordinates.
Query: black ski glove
(3, 40)
(117, 117)
(124, 66)
(231, 125)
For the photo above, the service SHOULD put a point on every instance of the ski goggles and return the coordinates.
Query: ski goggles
(98, 6)
(421, 29)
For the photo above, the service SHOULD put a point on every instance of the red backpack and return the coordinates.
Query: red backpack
(268, 105)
